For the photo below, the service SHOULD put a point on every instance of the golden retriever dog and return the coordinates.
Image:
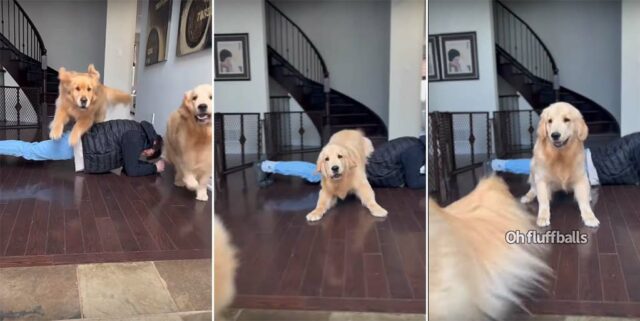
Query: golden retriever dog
(342, 165)
(225, 267)
(474, 273)
(83, 98)
(558, 162)
(189, 140)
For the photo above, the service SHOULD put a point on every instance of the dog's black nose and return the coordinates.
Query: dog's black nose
(83, 100)
(202, 107)
(555, 135)
(335, 168)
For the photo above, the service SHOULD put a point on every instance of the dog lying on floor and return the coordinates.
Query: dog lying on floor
(474, 274)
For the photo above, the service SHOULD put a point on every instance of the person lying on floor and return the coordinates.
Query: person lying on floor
(616, 163)
(107, 146)
(397, 163)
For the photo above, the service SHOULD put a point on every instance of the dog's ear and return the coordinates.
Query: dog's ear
(320, 168)
(184, 107)
(93, 72)
(583, 130)
(64, 75)
(351, 158)
(542, 125)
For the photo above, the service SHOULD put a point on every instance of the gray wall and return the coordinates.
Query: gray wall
(73, 31)
(353, 38)
(466, 95)
(161, 87)
(630, 77)
(584, 39)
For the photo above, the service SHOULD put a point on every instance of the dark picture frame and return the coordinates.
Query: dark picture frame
(195, 24)
(158, 21)
(232, 56)
(459, 56)
(433, 59)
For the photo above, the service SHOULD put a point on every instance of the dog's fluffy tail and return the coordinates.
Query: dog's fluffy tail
(474, 273)
(115, 96)
(368, 147)
(225, 267)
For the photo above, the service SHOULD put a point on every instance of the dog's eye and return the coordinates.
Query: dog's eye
(194, 98)
(326, 159)
(210, 97)
(77, 88)
(89, 89)
(566, 120)
(550, 121)
(339, 156)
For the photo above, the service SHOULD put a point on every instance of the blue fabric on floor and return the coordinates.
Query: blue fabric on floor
(38, 151)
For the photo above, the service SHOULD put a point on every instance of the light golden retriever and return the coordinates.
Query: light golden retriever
(189, 141)
(225, 267)
(558, 162)
(342, 165)
(474, 274)
(83, 98)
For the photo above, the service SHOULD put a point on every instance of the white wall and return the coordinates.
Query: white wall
(353, 39)
(119, 50)
(466, 95)
(244, 16)
(161, 87)
(584, 39)
(630, 76)
(73, 31)
(407, 34)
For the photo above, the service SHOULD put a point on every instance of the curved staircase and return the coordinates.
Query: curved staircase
(297, 65)
(526, 63)
(24, 56)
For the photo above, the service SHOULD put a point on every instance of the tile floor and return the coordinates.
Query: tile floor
(160, 290)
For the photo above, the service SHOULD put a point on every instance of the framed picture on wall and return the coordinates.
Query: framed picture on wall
(158, 31)
(232, 56)
(434, 59)
(194, 32)
(458, 56)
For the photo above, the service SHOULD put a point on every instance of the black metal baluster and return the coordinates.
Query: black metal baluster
(242, 139)
(301, 133)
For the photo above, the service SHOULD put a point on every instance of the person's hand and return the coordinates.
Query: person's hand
(160, 166)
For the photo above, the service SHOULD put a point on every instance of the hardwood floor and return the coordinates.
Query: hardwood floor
(51, 215)
(600, 278)
(349, 260)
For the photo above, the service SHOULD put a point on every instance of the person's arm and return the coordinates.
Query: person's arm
(132, 145)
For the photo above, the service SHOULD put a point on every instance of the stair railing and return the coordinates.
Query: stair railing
(516, 37)
(286, 38)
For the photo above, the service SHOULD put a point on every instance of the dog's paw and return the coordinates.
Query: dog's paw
(55, 133)
(379, 212)
(191, 183)
(314, 216)
(73, 140)
(590, 220)
(178, 183)
(525, 199)
(202, 196)
(543, 221)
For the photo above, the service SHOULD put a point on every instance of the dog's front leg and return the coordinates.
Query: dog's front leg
(190, 181)
(581, 192)
(201, 191)
(544, 197)
(78, 130)
(368, 198)
(57, 125)
(325, 201)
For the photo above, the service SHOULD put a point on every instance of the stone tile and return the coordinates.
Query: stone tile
(188, 282)
(365, 316)
(198, 316)
(229, 314)
(39, 293)
(122, 290)
(282, 315)
(150, 317)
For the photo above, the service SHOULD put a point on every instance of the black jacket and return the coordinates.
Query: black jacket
(397, 163)
(118, 143)
(618, 163)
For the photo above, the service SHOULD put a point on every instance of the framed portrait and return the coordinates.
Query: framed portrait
(459, 56)
(232, 56)
(158, 31)
(433, 57)
(194, 32)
